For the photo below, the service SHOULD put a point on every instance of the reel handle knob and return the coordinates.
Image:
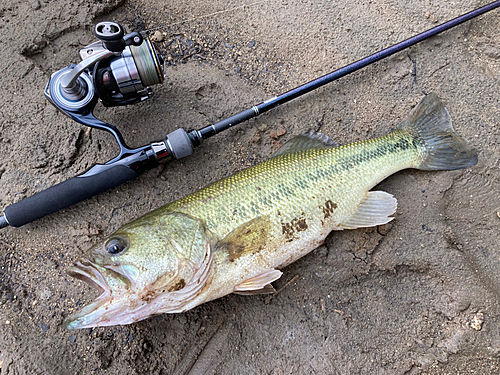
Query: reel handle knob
(133, 39)
(111, 34)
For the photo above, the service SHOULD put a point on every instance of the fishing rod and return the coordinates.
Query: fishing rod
(119, 70)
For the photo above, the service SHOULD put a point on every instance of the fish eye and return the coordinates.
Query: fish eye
(115, 246)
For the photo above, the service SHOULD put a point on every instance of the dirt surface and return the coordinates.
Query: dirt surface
(419, 296)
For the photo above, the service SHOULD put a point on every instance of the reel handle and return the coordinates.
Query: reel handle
(65, 194)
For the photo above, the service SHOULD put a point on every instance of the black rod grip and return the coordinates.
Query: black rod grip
(66, 194)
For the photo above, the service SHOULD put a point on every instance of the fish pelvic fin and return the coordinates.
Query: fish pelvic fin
(260, 284)
(375, 209)
(442, 149)
(267, 289)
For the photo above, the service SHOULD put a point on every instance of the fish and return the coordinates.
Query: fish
(235, 235)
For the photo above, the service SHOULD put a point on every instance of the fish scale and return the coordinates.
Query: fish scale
(234, 235)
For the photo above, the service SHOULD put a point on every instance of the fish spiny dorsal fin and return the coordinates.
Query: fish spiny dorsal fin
(305, 141)
(260, 284)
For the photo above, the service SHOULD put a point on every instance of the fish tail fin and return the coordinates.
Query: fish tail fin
(442, 149)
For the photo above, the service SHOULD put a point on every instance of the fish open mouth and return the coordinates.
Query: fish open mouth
(88, 273)
(109, 305)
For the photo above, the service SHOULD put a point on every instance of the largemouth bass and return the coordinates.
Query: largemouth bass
(234, 235)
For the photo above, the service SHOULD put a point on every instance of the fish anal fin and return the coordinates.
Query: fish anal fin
(248, 238)
(259, 284)
(306, 141)
(375, 209)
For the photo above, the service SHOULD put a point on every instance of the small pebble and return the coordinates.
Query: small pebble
(158, 36)
(278, 132)
(35, 4)
(477, 321)
(256, 137)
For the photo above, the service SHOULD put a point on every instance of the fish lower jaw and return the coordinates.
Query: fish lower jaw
(109, 311)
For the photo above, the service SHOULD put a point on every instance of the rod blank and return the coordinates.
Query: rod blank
(339, 73)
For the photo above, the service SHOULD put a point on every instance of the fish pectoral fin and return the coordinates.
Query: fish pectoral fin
(248, 238)
(306, 141)
(375, 209)
(259, 284)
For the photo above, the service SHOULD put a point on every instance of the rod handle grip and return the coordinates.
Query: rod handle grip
(65, 194)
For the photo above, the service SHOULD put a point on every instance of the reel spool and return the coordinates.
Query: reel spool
(126, 79)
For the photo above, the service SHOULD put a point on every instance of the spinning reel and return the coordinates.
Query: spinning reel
(119, 69)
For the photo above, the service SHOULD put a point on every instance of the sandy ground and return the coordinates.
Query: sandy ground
(419, 296)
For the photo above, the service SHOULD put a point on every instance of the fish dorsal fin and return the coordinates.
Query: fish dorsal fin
(306, 141)
(260, 284)
(375, 209)
(248, 238)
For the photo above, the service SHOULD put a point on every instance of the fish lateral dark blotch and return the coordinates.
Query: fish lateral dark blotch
(290, 229)
(234, 251)
(287, 231)
(301, 225)
(249, 238)
(328, 209)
